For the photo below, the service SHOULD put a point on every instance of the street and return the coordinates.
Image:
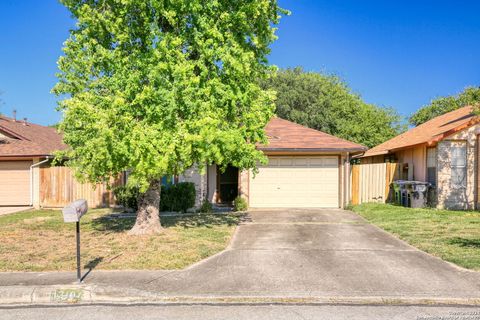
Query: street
(249, 312)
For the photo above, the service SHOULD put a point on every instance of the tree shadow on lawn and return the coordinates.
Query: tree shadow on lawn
(464, 242)
(121, 224)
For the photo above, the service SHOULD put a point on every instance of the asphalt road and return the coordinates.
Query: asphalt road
(250, 312)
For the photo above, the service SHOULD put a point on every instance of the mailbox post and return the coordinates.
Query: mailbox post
(72, 213)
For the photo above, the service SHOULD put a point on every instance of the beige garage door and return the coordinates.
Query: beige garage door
(288, 182)
(15, 183)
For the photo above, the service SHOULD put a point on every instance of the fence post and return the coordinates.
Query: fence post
(355, 184)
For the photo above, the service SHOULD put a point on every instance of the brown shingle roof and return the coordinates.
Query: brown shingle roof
(286, 135)
(36, 140)
(28, 139)
(430, 132)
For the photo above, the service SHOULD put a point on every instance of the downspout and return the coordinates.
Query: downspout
(31, 177)
(347, 181)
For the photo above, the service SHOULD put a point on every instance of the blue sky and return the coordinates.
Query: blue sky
(393, 53)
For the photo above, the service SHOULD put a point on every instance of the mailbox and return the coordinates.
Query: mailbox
(72, 213)
(75, 210)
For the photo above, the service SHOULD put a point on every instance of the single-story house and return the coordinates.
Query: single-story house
(306, 168)
(24, 146)
(442, 151)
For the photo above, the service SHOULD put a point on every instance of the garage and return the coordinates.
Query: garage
(15, 183)
(296, 181)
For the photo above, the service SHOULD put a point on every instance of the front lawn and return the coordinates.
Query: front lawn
(451, 235)
(39, 240)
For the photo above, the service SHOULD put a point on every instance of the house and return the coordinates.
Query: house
(24, 146)
(27, 177)
(442, 151)
(306, 168)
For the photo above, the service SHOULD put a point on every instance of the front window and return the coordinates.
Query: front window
(432, 166)
(459, 165)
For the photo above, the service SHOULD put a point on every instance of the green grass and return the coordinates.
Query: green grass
(451, 235)
(39, 240)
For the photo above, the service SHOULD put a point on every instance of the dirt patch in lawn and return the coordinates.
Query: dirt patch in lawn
(39, 240)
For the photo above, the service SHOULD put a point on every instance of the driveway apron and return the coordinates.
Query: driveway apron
(318, 253)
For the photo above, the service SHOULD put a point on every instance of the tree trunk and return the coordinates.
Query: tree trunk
(148, 214)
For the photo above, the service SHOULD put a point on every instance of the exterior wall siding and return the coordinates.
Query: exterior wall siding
(417, 162)
(212, 183)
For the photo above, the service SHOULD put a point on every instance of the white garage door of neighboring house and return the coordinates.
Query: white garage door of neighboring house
(296, 182)
(15, 183)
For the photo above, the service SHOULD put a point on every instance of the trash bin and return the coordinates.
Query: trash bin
(419, 194)
(411, 193)
(397, 194)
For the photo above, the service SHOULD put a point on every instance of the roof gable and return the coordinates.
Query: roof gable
(287, 135)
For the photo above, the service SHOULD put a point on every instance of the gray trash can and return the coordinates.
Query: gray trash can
(419, 194)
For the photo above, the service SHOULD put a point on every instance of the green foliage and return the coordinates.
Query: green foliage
(178, 197)
(206, 207)
(324, 102)
(442, 105)
(240, 204)
(157, 86)
(127, 196)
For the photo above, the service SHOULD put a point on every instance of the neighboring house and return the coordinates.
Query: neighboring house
(27, 177)
(442, 151)
(306, 168)
(23, 147)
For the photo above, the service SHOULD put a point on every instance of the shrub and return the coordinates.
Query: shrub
(127, 196)
(178, 197)
(206, 207)
(240, 204)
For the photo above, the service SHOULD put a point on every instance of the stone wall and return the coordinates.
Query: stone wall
(450, 196)
(244, 184)
(194, 175)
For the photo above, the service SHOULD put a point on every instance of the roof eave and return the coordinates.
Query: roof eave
(25, 155)
(359, 149)
(377, 153)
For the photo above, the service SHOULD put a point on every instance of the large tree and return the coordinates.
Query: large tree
(324, 102)
(156, 86)
(439, 106)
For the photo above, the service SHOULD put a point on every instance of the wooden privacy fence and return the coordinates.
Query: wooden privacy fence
(58, 187)
(371, 181)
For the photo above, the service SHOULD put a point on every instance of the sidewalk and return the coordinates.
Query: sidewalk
(139, 287)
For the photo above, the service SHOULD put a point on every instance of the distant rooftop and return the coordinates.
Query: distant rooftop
(21, 138)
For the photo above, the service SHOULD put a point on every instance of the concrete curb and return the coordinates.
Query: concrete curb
(88, 294)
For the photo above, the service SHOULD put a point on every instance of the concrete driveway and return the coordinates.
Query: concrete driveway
(318, 253)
